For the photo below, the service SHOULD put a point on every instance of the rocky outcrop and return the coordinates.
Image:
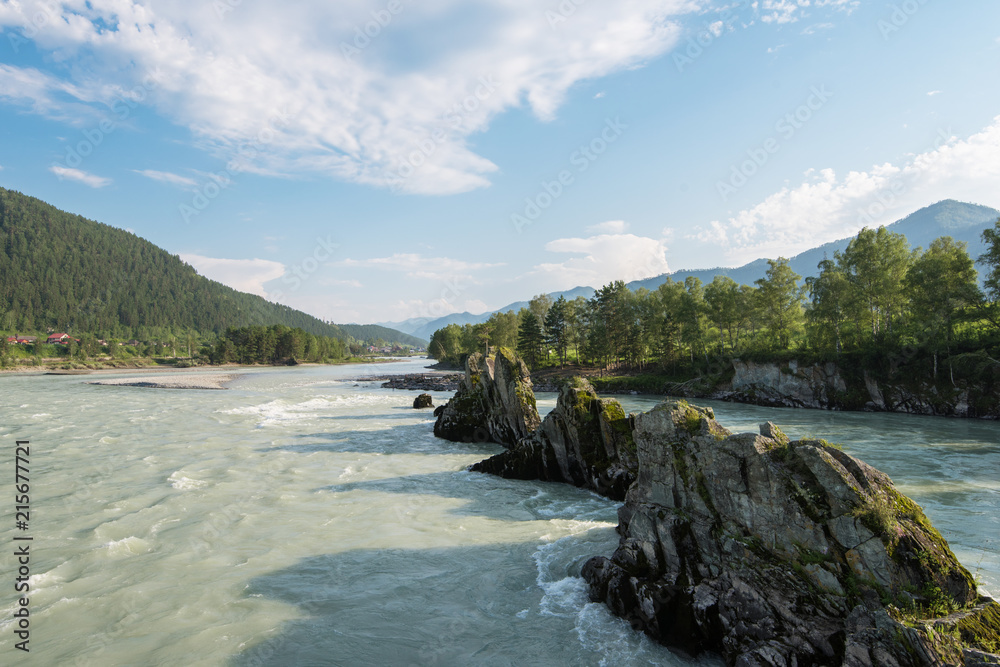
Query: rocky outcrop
(772, 552)
(585, 441)
(423, 401)
(494, 402)
(825, 386)
(770, 384)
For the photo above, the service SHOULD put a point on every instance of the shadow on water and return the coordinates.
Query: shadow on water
(478, 605)
(494, 497)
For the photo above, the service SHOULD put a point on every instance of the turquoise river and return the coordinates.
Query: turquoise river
(301, 518)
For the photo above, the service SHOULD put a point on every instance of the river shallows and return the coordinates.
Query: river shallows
(298, 519)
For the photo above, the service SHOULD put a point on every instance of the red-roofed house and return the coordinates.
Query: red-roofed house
(11, 339)
(27, 340)
(61, 338)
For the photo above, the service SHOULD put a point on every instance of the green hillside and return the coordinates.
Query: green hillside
(64, 272)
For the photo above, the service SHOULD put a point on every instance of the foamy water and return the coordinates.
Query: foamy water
(301, 519)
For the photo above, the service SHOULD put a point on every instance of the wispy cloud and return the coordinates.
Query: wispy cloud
(609, 227)
(417, 266)
(167, 177)
(933, 93)
(46, 95)
(245, 275)
(352, 116)
(781, 12)
(68, 174)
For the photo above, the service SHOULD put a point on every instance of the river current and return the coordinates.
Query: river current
(301, 518)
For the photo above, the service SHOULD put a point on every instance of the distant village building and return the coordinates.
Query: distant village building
(61, 339)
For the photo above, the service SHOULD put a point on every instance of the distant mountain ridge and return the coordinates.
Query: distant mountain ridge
(63, 271)
(962, 221)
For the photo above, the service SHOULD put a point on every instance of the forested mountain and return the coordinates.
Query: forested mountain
(62, 271)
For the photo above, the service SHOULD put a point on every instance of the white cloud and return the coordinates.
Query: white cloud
(933, 93)
(65, 173)
(609, 227)
(245, 275)
(167, 177)
(276, 76)
(601, 259)
(825, 206)
(599, 95)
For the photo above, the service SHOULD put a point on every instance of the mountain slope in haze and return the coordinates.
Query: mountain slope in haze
(961, 221)
(424, 327)
(62, 271)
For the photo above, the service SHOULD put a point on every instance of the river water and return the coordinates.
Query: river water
(301, 518)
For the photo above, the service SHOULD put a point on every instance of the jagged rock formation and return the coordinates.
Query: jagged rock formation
(773, 552)
(494, 402)
(423, 401)
(585, 441)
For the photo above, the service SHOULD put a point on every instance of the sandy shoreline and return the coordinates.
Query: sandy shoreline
(192, 381)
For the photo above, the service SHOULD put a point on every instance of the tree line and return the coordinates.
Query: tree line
(274, 344)
(878, 294)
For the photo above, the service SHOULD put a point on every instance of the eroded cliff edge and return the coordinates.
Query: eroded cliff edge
(766, 551)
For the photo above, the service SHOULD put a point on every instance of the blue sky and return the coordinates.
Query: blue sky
(376, 160)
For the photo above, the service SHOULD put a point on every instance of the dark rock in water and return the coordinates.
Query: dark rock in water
(494, 402)
(423, 401)
(585, 441)
(772, 552)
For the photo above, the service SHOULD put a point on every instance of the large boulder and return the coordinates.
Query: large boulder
(423, 401)
(494, 402)
(772, 552)
(585, 441)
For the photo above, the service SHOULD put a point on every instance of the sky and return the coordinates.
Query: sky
(379, 160)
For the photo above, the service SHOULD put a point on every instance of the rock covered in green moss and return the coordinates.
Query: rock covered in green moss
(585, 441)
(494, 402)
(773, 552)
